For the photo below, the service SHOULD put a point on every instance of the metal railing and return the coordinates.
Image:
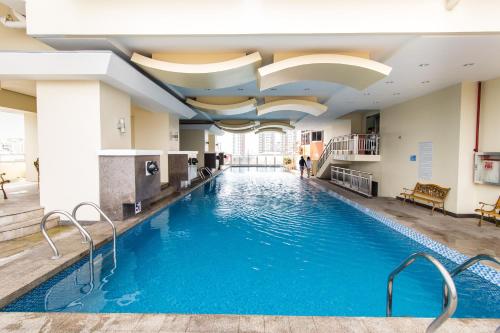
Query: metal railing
(355, 180)
(96, 207)
(351, 144)
(257, 160)
(451, 298)
(85, 234)
(462, 267)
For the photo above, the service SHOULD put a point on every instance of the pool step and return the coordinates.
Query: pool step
(24, 223)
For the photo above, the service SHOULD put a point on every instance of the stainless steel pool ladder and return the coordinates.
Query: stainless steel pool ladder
(96, 207)
(200, 173)
(83, 232)
(462, 267)
(210, 173)
(449, 286)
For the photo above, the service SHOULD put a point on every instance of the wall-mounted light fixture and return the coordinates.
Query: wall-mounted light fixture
(121, 126)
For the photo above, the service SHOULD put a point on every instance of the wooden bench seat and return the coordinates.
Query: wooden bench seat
(493, 213)
(2, 182)
(429, 193)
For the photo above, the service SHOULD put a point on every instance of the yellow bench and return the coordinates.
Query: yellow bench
(429, 193)
(494, 213)
(2, 182)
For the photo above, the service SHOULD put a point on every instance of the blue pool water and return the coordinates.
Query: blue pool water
(259, 241)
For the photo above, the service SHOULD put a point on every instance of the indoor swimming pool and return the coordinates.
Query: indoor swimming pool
(260, 241)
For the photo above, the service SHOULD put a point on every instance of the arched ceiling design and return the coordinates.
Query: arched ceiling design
(273, 124)
(224, 109)
(356, 72)
(297, 105)
(216, 75)
(237, 126)
(270, 129)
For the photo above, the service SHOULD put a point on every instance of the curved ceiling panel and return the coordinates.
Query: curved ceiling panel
(249, 125)
(297, 105)
(203, 76)
(270, 129)
(224, 109)
(273, 124)
(355, 72)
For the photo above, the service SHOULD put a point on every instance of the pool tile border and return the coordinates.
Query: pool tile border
(486, 272)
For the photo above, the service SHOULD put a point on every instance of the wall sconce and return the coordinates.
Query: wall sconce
(121, 126)
(174, 136)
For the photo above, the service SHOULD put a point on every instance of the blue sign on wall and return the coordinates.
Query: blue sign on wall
(413, 158)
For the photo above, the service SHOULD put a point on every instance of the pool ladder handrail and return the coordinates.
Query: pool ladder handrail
(464, 266)
(83, 232)
(200, 173)
(99, 210)
(451, 295)
(210, 173)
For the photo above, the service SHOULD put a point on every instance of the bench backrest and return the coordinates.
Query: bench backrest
(432, 190)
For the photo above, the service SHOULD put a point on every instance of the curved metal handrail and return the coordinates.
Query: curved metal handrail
(209, 171)
(450, 285)
(464, 266)
(96, 207)
(82, 230)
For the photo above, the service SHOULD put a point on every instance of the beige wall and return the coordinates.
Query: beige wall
(151, 131)
(70, 131)
(16, 39)
(30, 145)
(13, 100)
(447, 118)
(114, 105)
(194, 140)
(402, 127)
(489, 134)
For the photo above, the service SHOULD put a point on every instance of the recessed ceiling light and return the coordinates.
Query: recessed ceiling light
(240, 89)
(366, 94)
(396, 94)
(425, 82)
(423, 65)
(207, 89)
(469, 64)
(307, 89)
(389, 82)
(376, 102)
(274, 89)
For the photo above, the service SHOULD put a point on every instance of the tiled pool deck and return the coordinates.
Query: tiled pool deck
(25, 263)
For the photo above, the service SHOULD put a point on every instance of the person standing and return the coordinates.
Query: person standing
(302, 165)
(308, 166)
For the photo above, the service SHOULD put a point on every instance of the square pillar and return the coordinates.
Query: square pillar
(75, 120)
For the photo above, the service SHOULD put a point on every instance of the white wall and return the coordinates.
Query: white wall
(174, 128)
(71, 128)
(30, 145)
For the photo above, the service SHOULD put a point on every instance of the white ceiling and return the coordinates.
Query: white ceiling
(444, 54)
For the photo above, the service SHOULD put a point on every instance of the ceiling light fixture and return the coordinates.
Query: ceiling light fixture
(274, 89)
(366, 94)
(389, 82)
(240, 89)
(207, 89)
(469, 64)
(396, 94)
(425, 82)
(423, 65)
(307, 89)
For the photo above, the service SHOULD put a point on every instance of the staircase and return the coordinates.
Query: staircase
(326, 160)
(25, 223)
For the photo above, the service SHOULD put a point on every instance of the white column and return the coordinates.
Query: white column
(75, 119)
(30, 145)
